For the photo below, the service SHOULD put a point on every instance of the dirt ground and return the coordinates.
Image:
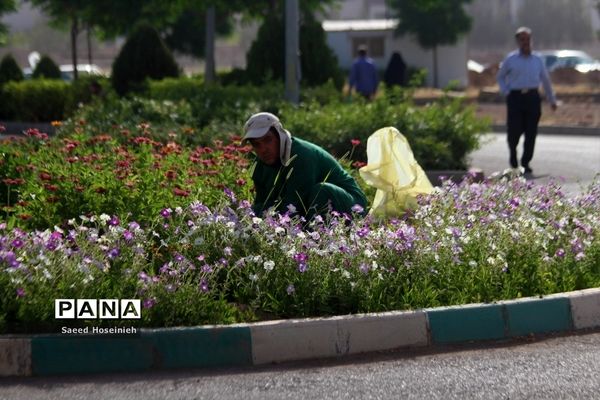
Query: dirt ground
(579, 105)
(568, 114)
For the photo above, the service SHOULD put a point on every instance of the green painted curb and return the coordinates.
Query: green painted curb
(76, 355)
(153, 349)
(200, 347)
(449, 325)
(538, 316)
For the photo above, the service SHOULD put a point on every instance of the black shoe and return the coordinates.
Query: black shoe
(527, 169)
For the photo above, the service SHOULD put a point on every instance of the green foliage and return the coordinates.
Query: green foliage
(34, 100)
(187, 34)
(143, 56)
(10, 70)
(266, 58)
(44, 100)
(46, 68)
(6, 6)
(433, 22)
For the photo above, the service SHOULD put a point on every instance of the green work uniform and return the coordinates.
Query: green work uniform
(311, 181)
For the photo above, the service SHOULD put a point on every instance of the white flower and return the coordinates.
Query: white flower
(178, 210)
(279, 230)
(269, 265)
(253, 277)
(256, 220)
(472, 263)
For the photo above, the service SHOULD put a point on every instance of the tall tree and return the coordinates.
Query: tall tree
(69, 12)
(6, 6)
(433, 23)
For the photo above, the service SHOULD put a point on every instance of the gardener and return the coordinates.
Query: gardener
(293, 174)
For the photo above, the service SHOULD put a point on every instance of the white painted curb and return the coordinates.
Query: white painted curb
(15, 357)
(585, 308)
(288, 340)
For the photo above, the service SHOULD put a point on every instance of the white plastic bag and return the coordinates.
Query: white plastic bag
(393, 170)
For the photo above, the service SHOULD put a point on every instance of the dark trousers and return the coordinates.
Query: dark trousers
(523, 115)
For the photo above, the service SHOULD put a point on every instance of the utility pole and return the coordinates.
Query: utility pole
(292, 52)
(209, 59)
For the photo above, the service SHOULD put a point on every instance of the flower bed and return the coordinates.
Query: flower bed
(196, 265)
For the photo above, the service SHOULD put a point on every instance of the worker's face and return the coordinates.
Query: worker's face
(524, 42)
(267, 148)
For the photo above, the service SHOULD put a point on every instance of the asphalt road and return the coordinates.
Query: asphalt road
(574, 160)
(551, 368)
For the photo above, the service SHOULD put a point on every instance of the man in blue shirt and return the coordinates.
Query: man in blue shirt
(363, 75)
(519, 78)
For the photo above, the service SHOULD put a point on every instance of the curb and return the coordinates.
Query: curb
(555, 130)
(298, 339)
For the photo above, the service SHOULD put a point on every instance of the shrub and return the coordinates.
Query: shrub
(10, 70)
(143, 56)
(46, 68)
(35, 100)
(266, 58)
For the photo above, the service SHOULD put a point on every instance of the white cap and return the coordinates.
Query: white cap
(523, 29)
(259, 124)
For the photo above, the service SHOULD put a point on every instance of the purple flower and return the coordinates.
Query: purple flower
(363, 232)
(114, 221)
(357, 208)
(364, 268)
(560, 253)
(203, 286)
(128, 236)
(17, 243)
(300, 258)
(229, 193)
(302, 267)
(134, 226)
(149, 303)
(20, 292)
(179, 258)
(165, 212)
(290, 289)
(114, 253)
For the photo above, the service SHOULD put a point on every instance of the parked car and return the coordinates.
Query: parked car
(577, 59)
(66, 71)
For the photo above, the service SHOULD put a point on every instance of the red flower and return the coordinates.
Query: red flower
(240, 182)
(355, 142)
(45, 176)
(170, 174)
(17, 181)
(50, 187)
(181, 192)
(358, 164)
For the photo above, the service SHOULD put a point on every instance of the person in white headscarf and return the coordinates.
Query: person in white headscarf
(294, 175)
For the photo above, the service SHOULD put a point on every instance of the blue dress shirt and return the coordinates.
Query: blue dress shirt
(520, 71)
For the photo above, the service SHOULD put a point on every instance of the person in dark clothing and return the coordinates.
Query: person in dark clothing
(519, 78)
(395, 73)
(295, 175)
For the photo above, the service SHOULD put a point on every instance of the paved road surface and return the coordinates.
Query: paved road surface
(552, 368)
(576, 159)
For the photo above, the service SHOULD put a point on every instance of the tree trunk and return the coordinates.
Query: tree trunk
(435, 67)
(292, 52)
(89, 43)
(209, 51)
(74, 32)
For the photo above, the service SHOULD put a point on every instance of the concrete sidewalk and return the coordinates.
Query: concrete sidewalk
(299, 339)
